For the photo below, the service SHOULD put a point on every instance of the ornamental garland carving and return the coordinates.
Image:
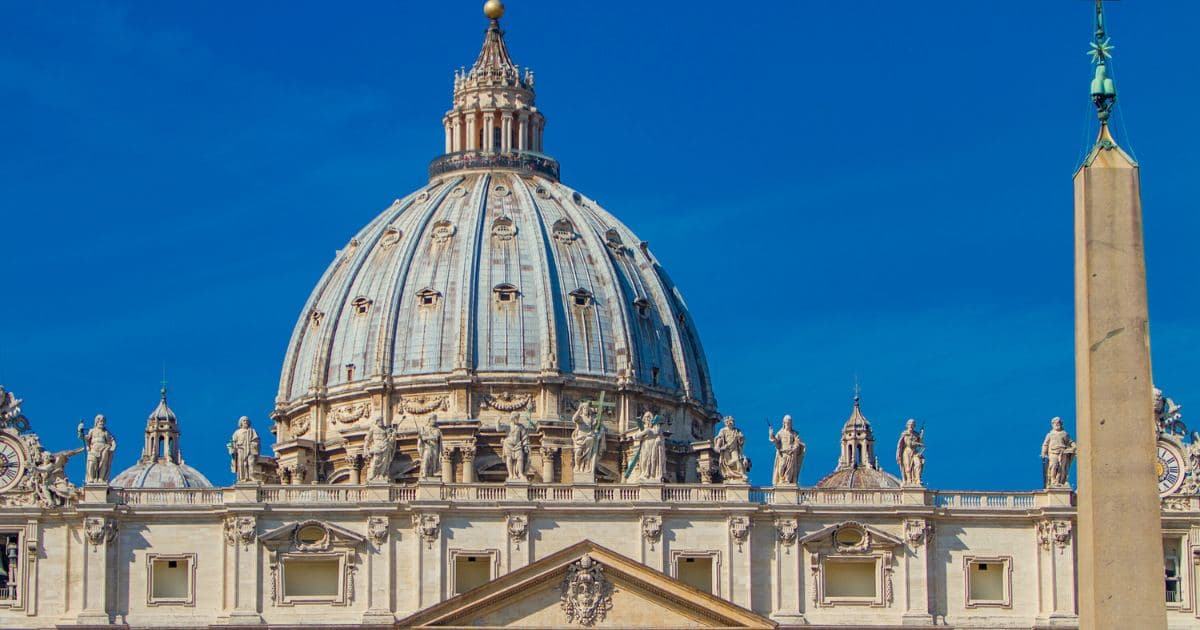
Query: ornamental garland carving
(518, 528)
(739, 528)
(1054, 533)
(506, 401)
(99, 530)
(787, 528)
(427, 526)
(917, 531)
(349, 414)
(419, 405)
(586, 592)
(377, 529)
(1177, 504)
(652, 526)
(300, 425)
(240, 529)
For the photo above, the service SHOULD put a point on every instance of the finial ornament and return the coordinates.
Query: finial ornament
(1104, 91)
(493, 9)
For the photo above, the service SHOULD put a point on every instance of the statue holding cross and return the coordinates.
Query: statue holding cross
(588, 436)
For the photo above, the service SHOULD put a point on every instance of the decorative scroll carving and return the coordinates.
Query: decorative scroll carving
(1054, 533)
(739, 528)
(424, 404)
(240, 529)
(99, 530)
(652, 526)
(506, 401)
(377, 529)
(586, 592)
(427, 526)
(888, 590)
(301, 424)
(518, 528)
(787, 529)
(917, 531)
(349, 414)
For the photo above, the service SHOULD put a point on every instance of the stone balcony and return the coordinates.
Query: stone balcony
(536, 494)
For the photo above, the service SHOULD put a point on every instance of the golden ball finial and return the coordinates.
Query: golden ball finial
(494, 9)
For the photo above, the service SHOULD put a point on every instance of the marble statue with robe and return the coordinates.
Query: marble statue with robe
(100, 445)
(1058, 450)
(243, 452)
(429, 448)
(789, 454)
(515, 448)
(730, 444)
(910, 454)
(649, 459)
(588, 438)
(380, 446)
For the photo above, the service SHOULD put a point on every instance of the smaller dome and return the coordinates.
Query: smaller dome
(858, 467)
(161, 464)
(863, 477)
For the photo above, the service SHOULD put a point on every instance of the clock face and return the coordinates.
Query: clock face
(11, 465)
(1169, 467)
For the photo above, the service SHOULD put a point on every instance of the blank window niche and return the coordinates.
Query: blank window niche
(696, 572)
(989, 581)
(851, 579)
(472, 569)
(312, 579)
(171, 579)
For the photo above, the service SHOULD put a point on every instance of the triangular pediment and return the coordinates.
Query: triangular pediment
(586, 586)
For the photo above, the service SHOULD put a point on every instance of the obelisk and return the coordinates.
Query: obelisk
(1120, 529)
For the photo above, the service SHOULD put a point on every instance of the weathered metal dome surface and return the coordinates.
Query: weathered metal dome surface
(495, 271)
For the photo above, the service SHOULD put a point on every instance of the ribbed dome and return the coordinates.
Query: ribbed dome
(161, 464)
(495, 272)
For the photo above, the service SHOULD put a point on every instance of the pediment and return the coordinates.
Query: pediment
(586, 586)
(311, 535)
(835, 537)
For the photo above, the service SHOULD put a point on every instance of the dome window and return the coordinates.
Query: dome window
(542, 192)
(442, 231)
(506, 293)
(315, 318)
(642, 306)
(361, 305)
(428, 297)
(564, 231)
(612, 238)
(577, 198)
(503, 229)
(582, 298)
(390, 237)
(501, 190)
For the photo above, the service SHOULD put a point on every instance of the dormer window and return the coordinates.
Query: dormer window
(315, 318)
(613, 239)
(642, 307)
(442, 231)
(582, 298)
(564, 230)
(503, 229)
(505, 293)
(361, 305)
(428, 297)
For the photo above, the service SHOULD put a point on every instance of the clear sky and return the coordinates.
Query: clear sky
(879, 190)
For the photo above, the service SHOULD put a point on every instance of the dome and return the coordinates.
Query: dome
(161, 464)
(858, 467)
(493, 289)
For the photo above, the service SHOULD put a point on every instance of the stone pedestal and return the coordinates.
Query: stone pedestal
(429, 489)
(516, 491)
(584, 476)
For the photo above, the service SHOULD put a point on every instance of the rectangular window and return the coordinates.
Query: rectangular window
(695, 572)
(170, 579)
(1172, 560)
(988, 581)
(851, 579)
(312, 579)
(10, 557)
(471, 572)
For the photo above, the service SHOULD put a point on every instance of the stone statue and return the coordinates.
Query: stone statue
(243, 452)
(1058, 449)
(516, 447)
(789, 454)
(588, 438)
(1167, 415)
(49, 479)
(10, 412)
(649, 460)
(100, 445)
(730, 444)
(429, 447)
(910, 454)
(380, 447)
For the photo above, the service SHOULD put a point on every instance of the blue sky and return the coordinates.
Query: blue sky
(878, 190)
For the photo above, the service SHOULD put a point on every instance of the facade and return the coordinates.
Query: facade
(495, 411)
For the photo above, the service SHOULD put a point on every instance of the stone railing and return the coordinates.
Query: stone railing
(525, 161)
(674, 494)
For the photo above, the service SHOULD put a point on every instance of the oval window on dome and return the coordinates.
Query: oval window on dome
(391, 236)
(361, 305)
(582, 298)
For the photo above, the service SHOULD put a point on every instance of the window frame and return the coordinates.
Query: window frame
(878, 559)
(1005, 584)
(338, 599)
(190, 598)
(493, 563)
(23, 567)
(679, 555)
